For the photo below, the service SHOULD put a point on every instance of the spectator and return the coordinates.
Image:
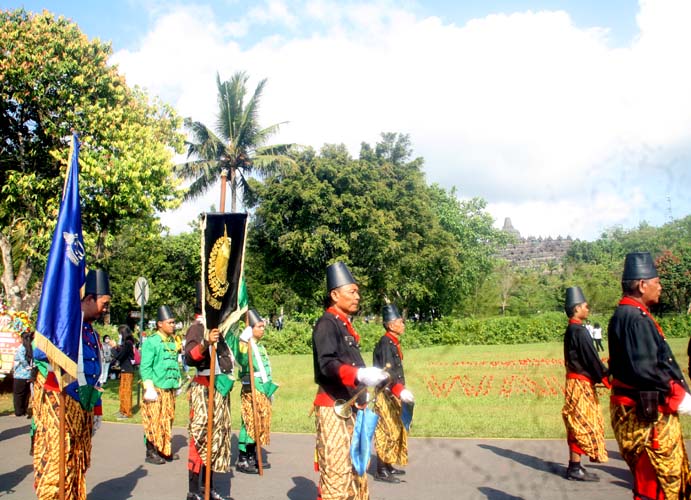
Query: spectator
(124, 355)
(597, 337)
(23, 363)
(107, 358)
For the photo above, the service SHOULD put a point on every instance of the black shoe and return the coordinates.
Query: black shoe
(170, 458)
(580, 474)
(214, 495)
(154, 459)
(246, 467)
(194, 496)
(253, 462)
(395, 472)
(385, 477)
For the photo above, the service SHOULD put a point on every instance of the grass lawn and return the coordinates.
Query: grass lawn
(504, 391)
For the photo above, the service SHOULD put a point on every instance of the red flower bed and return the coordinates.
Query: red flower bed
(546, 386)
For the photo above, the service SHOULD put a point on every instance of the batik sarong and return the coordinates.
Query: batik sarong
(390, 437)
(220, 439)
(585, 426)
(157, 417)
(661, 441)
(125, 393)
(262, 406)
(77, 450)
(337, 478)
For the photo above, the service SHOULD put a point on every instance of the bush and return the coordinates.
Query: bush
(296, 336)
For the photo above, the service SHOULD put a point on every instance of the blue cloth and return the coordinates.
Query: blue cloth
(361, 445)
(59, 311)
(22, 369)
(407, 415)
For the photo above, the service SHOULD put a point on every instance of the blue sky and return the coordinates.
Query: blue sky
(568, 116)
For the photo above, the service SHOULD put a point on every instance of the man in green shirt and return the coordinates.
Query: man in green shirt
(264, 389)
(160, 374)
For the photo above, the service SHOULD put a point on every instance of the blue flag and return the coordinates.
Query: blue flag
(58, 325)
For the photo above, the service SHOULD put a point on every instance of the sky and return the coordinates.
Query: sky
(571, 117)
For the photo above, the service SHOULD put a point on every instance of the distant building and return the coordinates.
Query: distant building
(534, 252)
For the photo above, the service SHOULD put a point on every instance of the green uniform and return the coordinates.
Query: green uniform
(262, 385)
(160, 362)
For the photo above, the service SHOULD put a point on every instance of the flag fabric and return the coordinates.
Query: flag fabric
(223, 250)
(58, 326)
(361, 445)
(407, 414)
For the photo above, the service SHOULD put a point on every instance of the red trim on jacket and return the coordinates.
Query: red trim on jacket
(396, 389)
(575, 321)
(628, 301)
(348, 375)
(396, 342)
(345, 321)
(198, 353)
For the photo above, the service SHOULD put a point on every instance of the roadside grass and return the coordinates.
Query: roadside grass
(497, 391)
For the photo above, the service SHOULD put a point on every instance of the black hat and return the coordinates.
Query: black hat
(638, 266)
(338, 275)
(198, 303)
(389, 313)
(254, 317)
(574, 296)
(164, 313)
(97, 283)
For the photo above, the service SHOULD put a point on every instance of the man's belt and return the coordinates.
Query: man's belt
(632, 393)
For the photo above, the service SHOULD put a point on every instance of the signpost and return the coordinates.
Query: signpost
(141, 295)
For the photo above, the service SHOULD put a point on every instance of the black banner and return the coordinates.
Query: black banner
(223, 249)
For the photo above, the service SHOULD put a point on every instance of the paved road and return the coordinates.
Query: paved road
(499, 469)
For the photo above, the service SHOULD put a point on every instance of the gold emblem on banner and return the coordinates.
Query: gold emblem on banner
(218, 271)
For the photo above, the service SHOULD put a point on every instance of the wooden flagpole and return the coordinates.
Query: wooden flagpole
(255, 417)
(61, 447)
(212, 377)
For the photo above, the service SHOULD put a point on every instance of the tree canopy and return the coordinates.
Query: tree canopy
(238, 145)
(54, 80)
(376, 214)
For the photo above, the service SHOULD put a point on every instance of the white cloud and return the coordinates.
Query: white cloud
(544, 120)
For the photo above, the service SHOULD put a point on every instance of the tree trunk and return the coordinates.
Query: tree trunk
(15, 287)
(233, 190)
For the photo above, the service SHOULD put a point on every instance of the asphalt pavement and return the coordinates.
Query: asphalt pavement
(494, 469)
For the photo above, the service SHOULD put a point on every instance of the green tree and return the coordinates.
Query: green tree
(238, 145)
(674, 269)
(54, 80)
(374, 213)
(477, 242)
(170, 263)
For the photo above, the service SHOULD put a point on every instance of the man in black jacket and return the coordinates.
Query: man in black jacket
(648, 388)
(390, 436)
(585, 427)
(340, 373)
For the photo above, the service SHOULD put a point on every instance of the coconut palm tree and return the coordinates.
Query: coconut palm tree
(238, 144)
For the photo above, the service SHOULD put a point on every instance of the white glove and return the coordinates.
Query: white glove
(407, 396)
(246, 334)
(150, 394)
(97, 422)
(371, 376)
(685, 406)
